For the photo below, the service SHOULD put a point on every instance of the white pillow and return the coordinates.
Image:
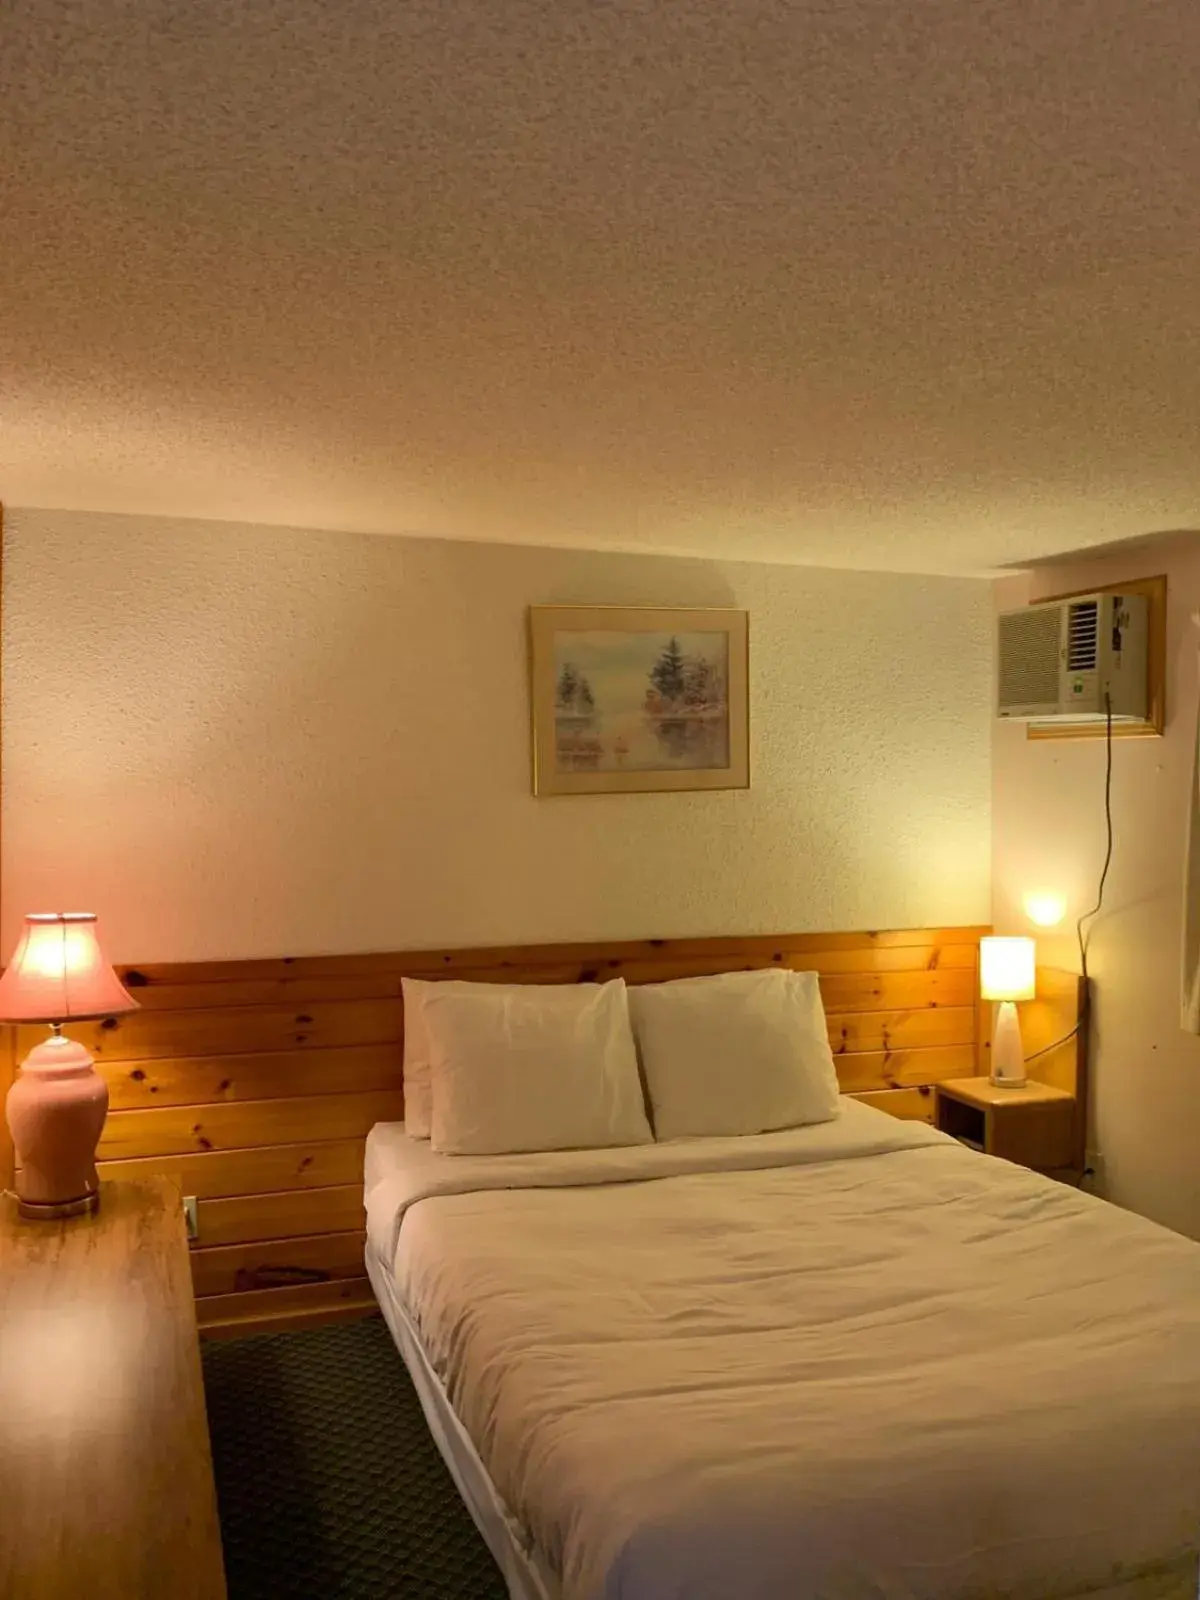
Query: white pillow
(532, 1067)
(417, 1101)
(743, 1052)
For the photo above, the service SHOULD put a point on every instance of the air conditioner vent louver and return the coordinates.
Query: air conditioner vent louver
(1029, 645)
(1083, 639)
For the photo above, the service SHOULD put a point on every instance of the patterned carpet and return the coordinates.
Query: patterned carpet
(328, 1480)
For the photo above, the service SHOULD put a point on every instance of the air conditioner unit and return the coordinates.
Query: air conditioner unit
(1069, 660)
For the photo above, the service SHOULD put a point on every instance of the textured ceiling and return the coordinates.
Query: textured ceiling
(908, 284)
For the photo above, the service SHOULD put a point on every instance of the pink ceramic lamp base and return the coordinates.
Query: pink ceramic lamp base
(56, 1111)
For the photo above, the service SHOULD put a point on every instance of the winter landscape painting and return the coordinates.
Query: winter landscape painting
(626, 698)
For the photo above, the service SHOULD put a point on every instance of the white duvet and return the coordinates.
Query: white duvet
(845, 1362)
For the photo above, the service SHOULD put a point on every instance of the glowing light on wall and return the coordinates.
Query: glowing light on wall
(1045, 907)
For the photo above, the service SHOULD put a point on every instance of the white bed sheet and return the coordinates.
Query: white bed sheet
(504, 1536)
(399, 1171)
(859, 1362)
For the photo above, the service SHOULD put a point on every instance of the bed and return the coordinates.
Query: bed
(851, 1361)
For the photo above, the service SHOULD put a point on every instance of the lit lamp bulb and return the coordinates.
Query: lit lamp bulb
(1007, 974)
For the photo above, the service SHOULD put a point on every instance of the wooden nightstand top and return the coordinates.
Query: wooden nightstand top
(984, 1093)
(105, 1475)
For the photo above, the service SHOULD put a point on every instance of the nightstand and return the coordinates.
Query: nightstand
(105, 1473)
(1033, 1126)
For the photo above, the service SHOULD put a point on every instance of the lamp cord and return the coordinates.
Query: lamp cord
(1095, 911)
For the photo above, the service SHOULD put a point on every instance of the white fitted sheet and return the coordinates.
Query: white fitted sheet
(851, 1361)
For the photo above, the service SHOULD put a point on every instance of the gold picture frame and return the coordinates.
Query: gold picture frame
(639, 699)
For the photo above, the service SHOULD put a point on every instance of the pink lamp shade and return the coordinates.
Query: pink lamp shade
(58, 1102)
(58, 972)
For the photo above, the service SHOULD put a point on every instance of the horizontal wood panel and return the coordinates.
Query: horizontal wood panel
(244, 1218)
(417, 962)
(299, 991)
(897, 1069)
(149, 1035)
(913, 1105)
(240, 1267)
(296, 991)
(176, 1130)
(271, 1310)
(281, 993)
(852, 973)
(895, 991)
(142, 1035)
(898, 958)
(263, 1075)
(242, 1125)
(893, 1030)
(272, 1168)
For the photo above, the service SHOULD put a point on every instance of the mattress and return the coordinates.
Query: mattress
(852, 1361)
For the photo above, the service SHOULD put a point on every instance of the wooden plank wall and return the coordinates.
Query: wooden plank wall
(1054, 1029)
(7, 1058)
(254, 1083)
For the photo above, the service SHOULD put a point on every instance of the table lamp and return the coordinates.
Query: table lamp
(1007, 974)
(57, 1105)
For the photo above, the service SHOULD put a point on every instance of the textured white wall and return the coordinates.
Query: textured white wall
(1049, 831)
(237, 741)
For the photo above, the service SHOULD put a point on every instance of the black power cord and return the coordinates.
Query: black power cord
(1108, 854)
(1095, 911)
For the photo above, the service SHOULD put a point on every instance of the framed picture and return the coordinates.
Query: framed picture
(629, 698)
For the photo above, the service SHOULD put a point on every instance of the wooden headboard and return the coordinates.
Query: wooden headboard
(254, 1083)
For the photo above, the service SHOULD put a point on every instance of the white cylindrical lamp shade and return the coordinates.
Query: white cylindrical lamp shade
(1007, 969)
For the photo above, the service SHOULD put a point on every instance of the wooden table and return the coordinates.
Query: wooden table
(106, 1486)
